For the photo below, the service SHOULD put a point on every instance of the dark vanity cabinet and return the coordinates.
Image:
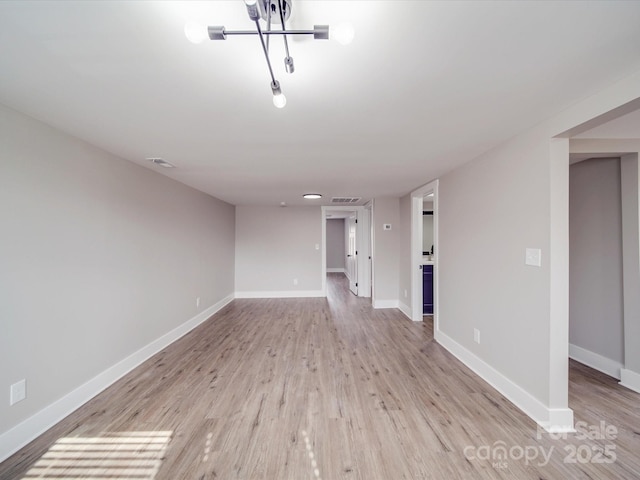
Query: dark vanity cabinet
(427, 289)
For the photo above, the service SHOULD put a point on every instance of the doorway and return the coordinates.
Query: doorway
(357, 221)
(422, 262)
(352, 268)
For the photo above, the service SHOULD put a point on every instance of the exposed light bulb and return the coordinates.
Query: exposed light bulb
(250, 2)
(195, 32)
(343, 33)
(279, 100)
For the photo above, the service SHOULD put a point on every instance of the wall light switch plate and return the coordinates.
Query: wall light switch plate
(476, 335)
(386, 226)
(18, 392)
(533, 257)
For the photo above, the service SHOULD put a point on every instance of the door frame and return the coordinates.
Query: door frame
(363, 242)
(352, 226)
(417, 199)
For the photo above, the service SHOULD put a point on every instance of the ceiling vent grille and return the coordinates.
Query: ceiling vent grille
(345, 200)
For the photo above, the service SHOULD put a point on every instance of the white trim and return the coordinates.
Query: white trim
(551, 419)
(386, 304)
(560, 421)
(630, 379)
(595, 360)
(336, 270)
(17, 437)
(282, 294)
(323, 252)
(406, 309)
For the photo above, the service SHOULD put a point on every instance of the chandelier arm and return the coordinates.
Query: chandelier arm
(267, 33)
(268, 26)
(286, 44)
(266, 53)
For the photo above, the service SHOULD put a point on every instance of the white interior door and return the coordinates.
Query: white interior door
(352, 264)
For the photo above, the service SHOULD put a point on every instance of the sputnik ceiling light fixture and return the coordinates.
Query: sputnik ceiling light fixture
(270, 11)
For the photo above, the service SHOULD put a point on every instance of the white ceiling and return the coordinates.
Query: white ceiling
(423, 88)
(626, 126)
(620, 131)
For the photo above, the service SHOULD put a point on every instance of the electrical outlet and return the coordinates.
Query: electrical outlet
(476, 335)
(197, 301)
(317, 246)
(18, 392)
(295, 281)
(405, 293)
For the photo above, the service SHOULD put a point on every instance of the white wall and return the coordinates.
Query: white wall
(336, 243)
(386, 255)
(274, 246)
(595, 232)
(100, 257)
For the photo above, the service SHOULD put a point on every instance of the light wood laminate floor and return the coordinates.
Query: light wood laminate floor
(324, 389)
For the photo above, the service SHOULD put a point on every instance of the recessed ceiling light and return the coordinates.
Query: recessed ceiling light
(160, 162)
(311, 196)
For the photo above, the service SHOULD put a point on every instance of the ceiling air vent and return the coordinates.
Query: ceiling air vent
(345, 200)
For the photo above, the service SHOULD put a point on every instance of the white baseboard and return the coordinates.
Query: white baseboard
(282, 294)
(336, 270)
(386, 304)
(17, 437)
(595, 360)
(553, 420)
(405, 309)
(630, 379)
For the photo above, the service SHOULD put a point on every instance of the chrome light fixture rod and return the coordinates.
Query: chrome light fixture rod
(266, 52)
(219, 32)
(268, 26)
(288, 61)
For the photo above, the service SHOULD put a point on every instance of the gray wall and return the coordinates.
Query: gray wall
(483, 280)
(386, 249)
(274, 246)
(336, 243)
(99, 258)
(595, 259)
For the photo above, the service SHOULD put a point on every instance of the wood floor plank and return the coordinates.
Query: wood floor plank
(327, 389)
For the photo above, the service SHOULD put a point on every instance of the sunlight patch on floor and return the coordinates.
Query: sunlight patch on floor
(113, 455)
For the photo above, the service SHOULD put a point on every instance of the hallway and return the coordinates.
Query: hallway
(315, 388)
